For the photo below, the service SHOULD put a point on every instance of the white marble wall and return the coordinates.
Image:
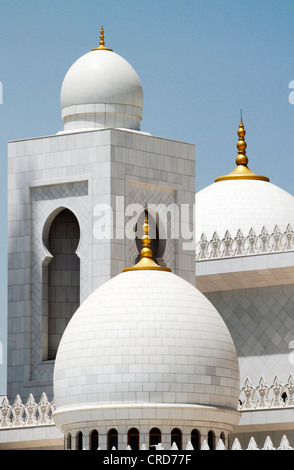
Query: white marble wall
(79, 171)
(261, 323)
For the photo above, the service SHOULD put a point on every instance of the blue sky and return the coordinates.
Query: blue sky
(199, 61)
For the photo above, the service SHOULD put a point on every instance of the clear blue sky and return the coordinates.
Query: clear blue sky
(199, 61)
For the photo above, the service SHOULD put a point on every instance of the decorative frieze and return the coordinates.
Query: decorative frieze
(30, 414)
(241, 245)
(260, 397)
(265, 396)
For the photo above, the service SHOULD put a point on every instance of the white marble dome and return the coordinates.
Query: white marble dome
(145, 338)
(101, 89)
(242, 204)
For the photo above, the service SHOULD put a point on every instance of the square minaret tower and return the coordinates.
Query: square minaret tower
(75, 208)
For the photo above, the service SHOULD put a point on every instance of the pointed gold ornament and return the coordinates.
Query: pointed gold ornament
(101, 46)
(146, 261)
(241, 171)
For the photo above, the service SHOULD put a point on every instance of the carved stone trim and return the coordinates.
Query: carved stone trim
(267, 396)
(28, 414)
(252, 244)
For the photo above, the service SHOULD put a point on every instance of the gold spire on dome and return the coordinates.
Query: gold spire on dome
(146, 261)
(241, 171)
(101, 46)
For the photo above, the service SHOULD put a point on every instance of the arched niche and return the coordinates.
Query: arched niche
(60, 277)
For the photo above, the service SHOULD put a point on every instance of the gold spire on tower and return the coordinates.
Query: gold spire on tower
(101, 46)
(146, 261)
(241, 171)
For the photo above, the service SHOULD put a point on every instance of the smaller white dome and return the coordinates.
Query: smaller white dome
(242, 201)
(242, 204)
(101, 89)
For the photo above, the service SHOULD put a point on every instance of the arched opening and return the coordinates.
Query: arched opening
(61, 277)
(112, 439)
(79, 441)
(196, 439)
(68, 442)
(158, 242)
(223, 437)
(176, 438)
(211, 440)
(94, 440)
(134, 439)
(284, 397)
(154, 437)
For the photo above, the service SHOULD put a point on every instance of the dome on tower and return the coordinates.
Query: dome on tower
(146, 344)
(101, 89)
(242, 201)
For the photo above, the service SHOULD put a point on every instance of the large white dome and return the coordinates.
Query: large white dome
(242, 204)
(145, 337)
(101, 89)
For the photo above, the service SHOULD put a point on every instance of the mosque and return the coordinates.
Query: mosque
(141, 315)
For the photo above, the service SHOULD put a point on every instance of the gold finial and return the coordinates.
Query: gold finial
(146, 251)
(146, 261)
(102, 43)
(102, 36)
(241, 171)
(241, 146)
